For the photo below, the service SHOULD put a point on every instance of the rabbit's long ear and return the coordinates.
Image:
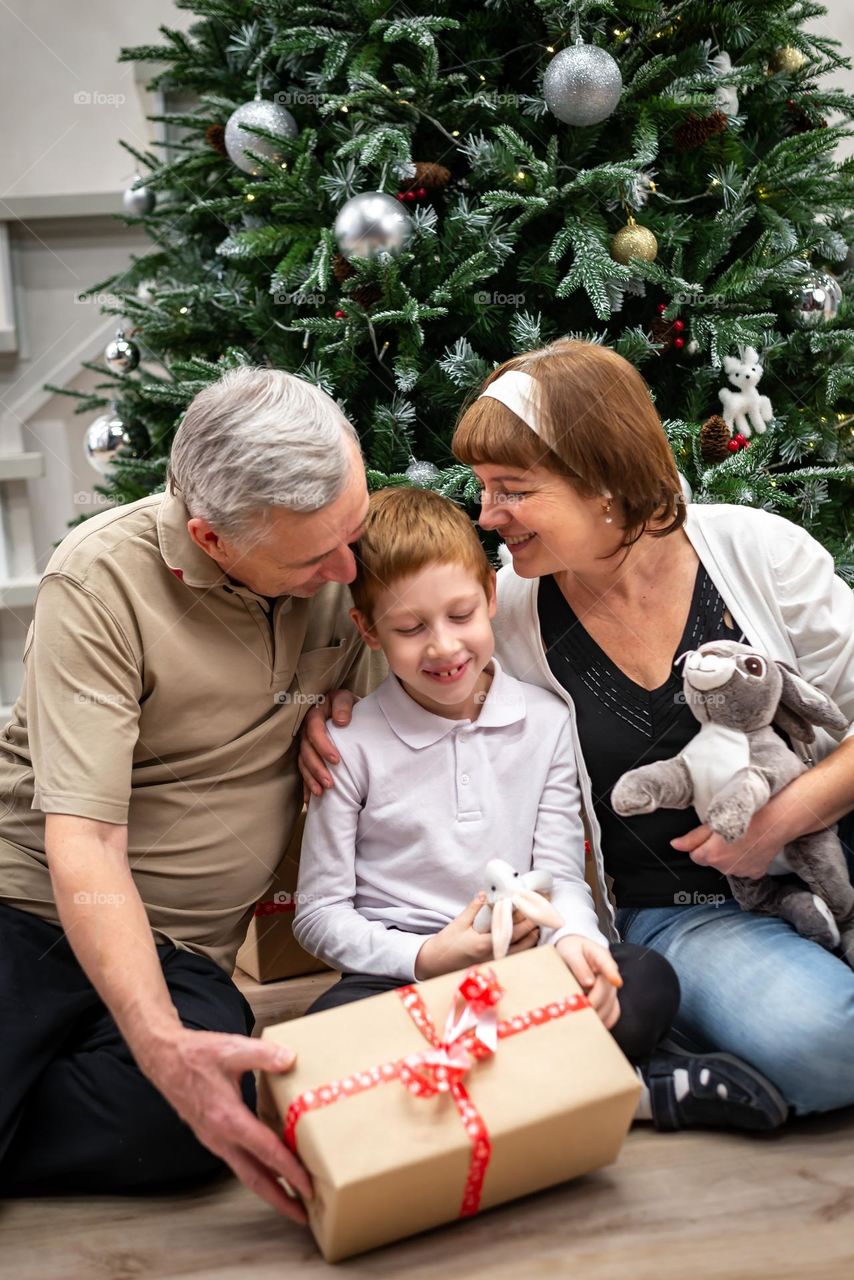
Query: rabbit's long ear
(801, 706)
(502, 927)
(537, 908)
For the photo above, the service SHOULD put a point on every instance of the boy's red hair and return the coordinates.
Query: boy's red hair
(408, 529)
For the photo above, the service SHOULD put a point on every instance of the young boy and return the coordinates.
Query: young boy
(449, 763)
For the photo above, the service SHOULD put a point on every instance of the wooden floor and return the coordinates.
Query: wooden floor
(683, 1206)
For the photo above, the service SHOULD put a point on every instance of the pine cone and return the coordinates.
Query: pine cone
(696, 130)
(215, 134)
(714, 438)
(662, 331)
(341, 268)
(431, 176)
(801, 120)
(367, 294)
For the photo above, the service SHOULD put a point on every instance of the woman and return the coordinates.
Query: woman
(612, 579)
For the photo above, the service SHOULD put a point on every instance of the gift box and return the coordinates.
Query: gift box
(428, 1103)
(270, 951)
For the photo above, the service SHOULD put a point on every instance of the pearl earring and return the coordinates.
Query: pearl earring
(609, 519)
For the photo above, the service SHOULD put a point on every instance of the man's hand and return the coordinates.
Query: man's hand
(459, 944)
(199, 1072)
(316, 746)
(596, 972)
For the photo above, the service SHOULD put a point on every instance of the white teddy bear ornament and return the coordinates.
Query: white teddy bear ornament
(745, 410)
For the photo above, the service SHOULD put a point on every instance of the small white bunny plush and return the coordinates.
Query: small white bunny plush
(745, 410)
(506, 889)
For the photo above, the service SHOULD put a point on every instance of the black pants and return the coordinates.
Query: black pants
(76, 1113)
(649, 997)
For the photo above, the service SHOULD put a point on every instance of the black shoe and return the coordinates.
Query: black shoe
(723, 1093)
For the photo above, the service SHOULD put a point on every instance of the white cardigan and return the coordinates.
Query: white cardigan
(779, 584)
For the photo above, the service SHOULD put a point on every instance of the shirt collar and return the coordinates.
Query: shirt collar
(187, 561)
(504, 704)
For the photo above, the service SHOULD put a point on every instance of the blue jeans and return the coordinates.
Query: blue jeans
(753, 987)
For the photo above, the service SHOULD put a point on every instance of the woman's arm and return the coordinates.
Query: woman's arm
(813, 801)
(817, 610)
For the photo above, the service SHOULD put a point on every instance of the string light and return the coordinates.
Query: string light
(249, 197)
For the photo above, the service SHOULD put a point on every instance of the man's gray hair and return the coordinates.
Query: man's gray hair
(258, 439)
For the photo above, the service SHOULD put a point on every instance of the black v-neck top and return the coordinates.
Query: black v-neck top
(622, 725)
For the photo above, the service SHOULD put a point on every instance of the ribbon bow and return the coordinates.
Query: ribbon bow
(471, 1034)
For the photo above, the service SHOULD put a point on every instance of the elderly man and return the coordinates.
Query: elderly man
(149, 782)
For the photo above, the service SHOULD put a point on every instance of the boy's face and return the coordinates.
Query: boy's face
(434, 629)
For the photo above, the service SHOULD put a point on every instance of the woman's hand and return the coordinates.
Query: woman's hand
(459, 944)
(596, 972)
(316, 745)
(750, 856)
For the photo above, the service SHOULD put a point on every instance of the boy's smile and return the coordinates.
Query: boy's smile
(434, 628)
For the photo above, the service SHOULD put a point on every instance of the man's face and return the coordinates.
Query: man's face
(295, 553)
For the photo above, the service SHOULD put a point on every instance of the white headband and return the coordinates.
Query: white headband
(520, 393)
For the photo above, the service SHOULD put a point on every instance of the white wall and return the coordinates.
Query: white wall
(65, 100)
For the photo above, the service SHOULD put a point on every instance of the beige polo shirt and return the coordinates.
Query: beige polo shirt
(160, 693)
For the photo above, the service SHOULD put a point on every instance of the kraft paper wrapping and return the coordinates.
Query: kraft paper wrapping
(557, 1100)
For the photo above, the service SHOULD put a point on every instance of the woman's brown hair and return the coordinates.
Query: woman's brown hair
(599, 428)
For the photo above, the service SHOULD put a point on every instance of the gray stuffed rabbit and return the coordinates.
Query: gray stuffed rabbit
(732, 767)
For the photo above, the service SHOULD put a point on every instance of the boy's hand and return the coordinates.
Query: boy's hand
(596, 971)
(459, 944)
(315, 743)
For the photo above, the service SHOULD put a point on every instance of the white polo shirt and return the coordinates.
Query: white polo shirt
(399, 846)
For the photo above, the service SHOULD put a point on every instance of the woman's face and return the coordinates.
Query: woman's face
(547, 525)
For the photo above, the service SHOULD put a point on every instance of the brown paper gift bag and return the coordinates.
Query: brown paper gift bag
(390, 1155)
(270, 951)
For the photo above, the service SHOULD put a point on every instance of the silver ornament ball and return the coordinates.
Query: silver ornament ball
(582, 84)
(104, 437)
(121, 355)
(259, 114)
(816, 299)
(421, 472)
(138, 199)
(372, 223)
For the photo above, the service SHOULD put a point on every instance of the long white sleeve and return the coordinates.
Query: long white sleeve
(326, 922)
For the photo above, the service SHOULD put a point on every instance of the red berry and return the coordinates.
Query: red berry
(746, 444)
(662, 307)
(732, 445)
(678, 325)
(340, 315)
(421, 192)
(399, 195)
(679, 342)
(409, 196)
(740, 438)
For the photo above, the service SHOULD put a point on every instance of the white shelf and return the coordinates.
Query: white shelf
(21, 466)
(17, 593)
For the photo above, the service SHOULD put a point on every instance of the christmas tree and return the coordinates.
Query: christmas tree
(389, 200)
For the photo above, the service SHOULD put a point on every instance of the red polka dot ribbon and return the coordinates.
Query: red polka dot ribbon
(472, 1031)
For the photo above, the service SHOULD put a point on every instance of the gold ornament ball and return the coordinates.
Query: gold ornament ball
(633, 241)
(787, 59)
